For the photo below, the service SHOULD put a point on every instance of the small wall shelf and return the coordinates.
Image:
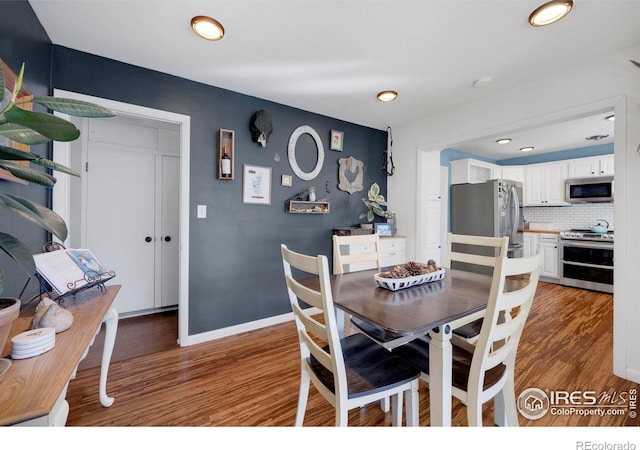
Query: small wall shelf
(306, 207)
(225, 145)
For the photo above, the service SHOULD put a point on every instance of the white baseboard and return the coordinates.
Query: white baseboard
(237, 329)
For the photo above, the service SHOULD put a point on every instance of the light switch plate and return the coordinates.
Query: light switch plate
(286, 180)
(202, 211)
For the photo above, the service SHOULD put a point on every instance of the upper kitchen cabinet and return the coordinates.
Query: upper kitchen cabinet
(473, 171)
(515, 173)
(591, 167)
(544, 184)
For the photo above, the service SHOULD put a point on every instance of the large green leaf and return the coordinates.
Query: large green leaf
(73, 107)
(22, 134)
(42, 216)
(19, 252)
(53, 127)
(28, 174)
(14, 154)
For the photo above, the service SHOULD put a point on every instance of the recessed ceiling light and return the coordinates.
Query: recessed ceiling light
(387, 96)
(550, 12)
(207, 28)
(526, 149)
(504, 141)
(610, 118)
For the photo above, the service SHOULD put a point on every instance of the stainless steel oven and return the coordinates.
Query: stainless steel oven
(586, 260)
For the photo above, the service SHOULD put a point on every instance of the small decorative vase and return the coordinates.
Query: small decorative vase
(9, 311)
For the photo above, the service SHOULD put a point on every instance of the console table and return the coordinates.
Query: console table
(33, 391)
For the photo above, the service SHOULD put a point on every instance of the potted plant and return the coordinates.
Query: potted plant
(374, 203)
(30, 128)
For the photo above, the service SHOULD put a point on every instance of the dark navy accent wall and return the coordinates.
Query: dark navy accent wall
(23, 40)
(236, 273)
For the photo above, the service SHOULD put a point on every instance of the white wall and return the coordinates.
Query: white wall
(611, 81)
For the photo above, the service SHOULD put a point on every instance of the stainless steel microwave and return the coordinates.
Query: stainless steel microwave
(589, 190)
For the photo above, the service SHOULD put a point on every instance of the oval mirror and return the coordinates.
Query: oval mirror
(292, 152)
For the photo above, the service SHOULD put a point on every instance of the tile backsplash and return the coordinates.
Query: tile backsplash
(575, 216)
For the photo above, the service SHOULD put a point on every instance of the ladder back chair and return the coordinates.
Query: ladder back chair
(349, 372)
(369, 246)
(485, 371)
(369, 243)
(474, 251)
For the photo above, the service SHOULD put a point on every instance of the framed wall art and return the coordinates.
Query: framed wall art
(256, 185)
(336, 140)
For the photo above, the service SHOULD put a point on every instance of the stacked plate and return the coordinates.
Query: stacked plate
(33, 343)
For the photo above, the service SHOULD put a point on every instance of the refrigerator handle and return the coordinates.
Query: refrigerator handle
(515, 205)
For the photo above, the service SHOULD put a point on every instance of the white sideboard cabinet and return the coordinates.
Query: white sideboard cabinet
(393, 251)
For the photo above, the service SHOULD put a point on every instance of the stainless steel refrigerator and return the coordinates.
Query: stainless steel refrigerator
(492, 208)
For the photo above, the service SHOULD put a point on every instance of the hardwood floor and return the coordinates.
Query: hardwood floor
(252, 379)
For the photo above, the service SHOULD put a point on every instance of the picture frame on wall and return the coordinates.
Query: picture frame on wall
(337, 137)
(256, 185)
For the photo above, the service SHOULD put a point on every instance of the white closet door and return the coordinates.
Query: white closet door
(169, 247)
(121, 221)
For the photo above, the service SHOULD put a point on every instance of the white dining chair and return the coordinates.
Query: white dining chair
(473, 252)
(368, 246)
(350, 372)
(366, 257)
(486, 370)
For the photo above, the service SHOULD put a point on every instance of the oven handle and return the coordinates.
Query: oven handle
(587, 244)
(593, 266)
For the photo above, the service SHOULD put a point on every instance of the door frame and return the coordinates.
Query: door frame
(621, 299)
(61, 198)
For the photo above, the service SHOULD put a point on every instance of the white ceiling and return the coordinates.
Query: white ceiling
(332, 57)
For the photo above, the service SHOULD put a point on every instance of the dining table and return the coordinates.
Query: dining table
(434, 308)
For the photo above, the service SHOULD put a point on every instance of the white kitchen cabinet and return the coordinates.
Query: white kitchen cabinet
(544, 184)
(473, 171)
(591, 167)
(548, 245)
(393, 251)
(530, 244)
(515, 173)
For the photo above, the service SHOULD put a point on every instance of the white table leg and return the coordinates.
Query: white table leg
(440, 355)
(111, 325)
(340, 319)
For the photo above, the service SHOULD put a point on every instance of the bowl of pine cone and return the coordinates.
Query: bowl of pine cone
(410, 274)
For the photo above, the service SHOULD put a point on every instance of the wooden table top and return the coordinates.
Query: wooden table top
(31, 386)
(412, 310)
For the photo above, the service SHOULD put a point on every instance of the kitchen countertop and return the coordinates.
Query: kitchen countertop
(543, 231)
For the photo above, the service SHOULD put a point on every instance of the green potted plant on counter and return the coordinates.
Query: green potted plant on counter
(28, 127)
(374, 203)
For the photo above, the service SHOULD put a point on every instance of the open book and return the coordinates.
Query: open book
(69, 269)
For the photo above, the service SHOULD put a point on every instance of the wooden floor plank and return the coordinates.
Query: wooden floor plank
(252, 379)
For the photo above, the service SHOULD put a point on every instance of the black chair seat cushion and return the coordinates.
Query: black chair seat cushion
(370, 368)
(469, 330)
(375, 332)
(416, 353)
